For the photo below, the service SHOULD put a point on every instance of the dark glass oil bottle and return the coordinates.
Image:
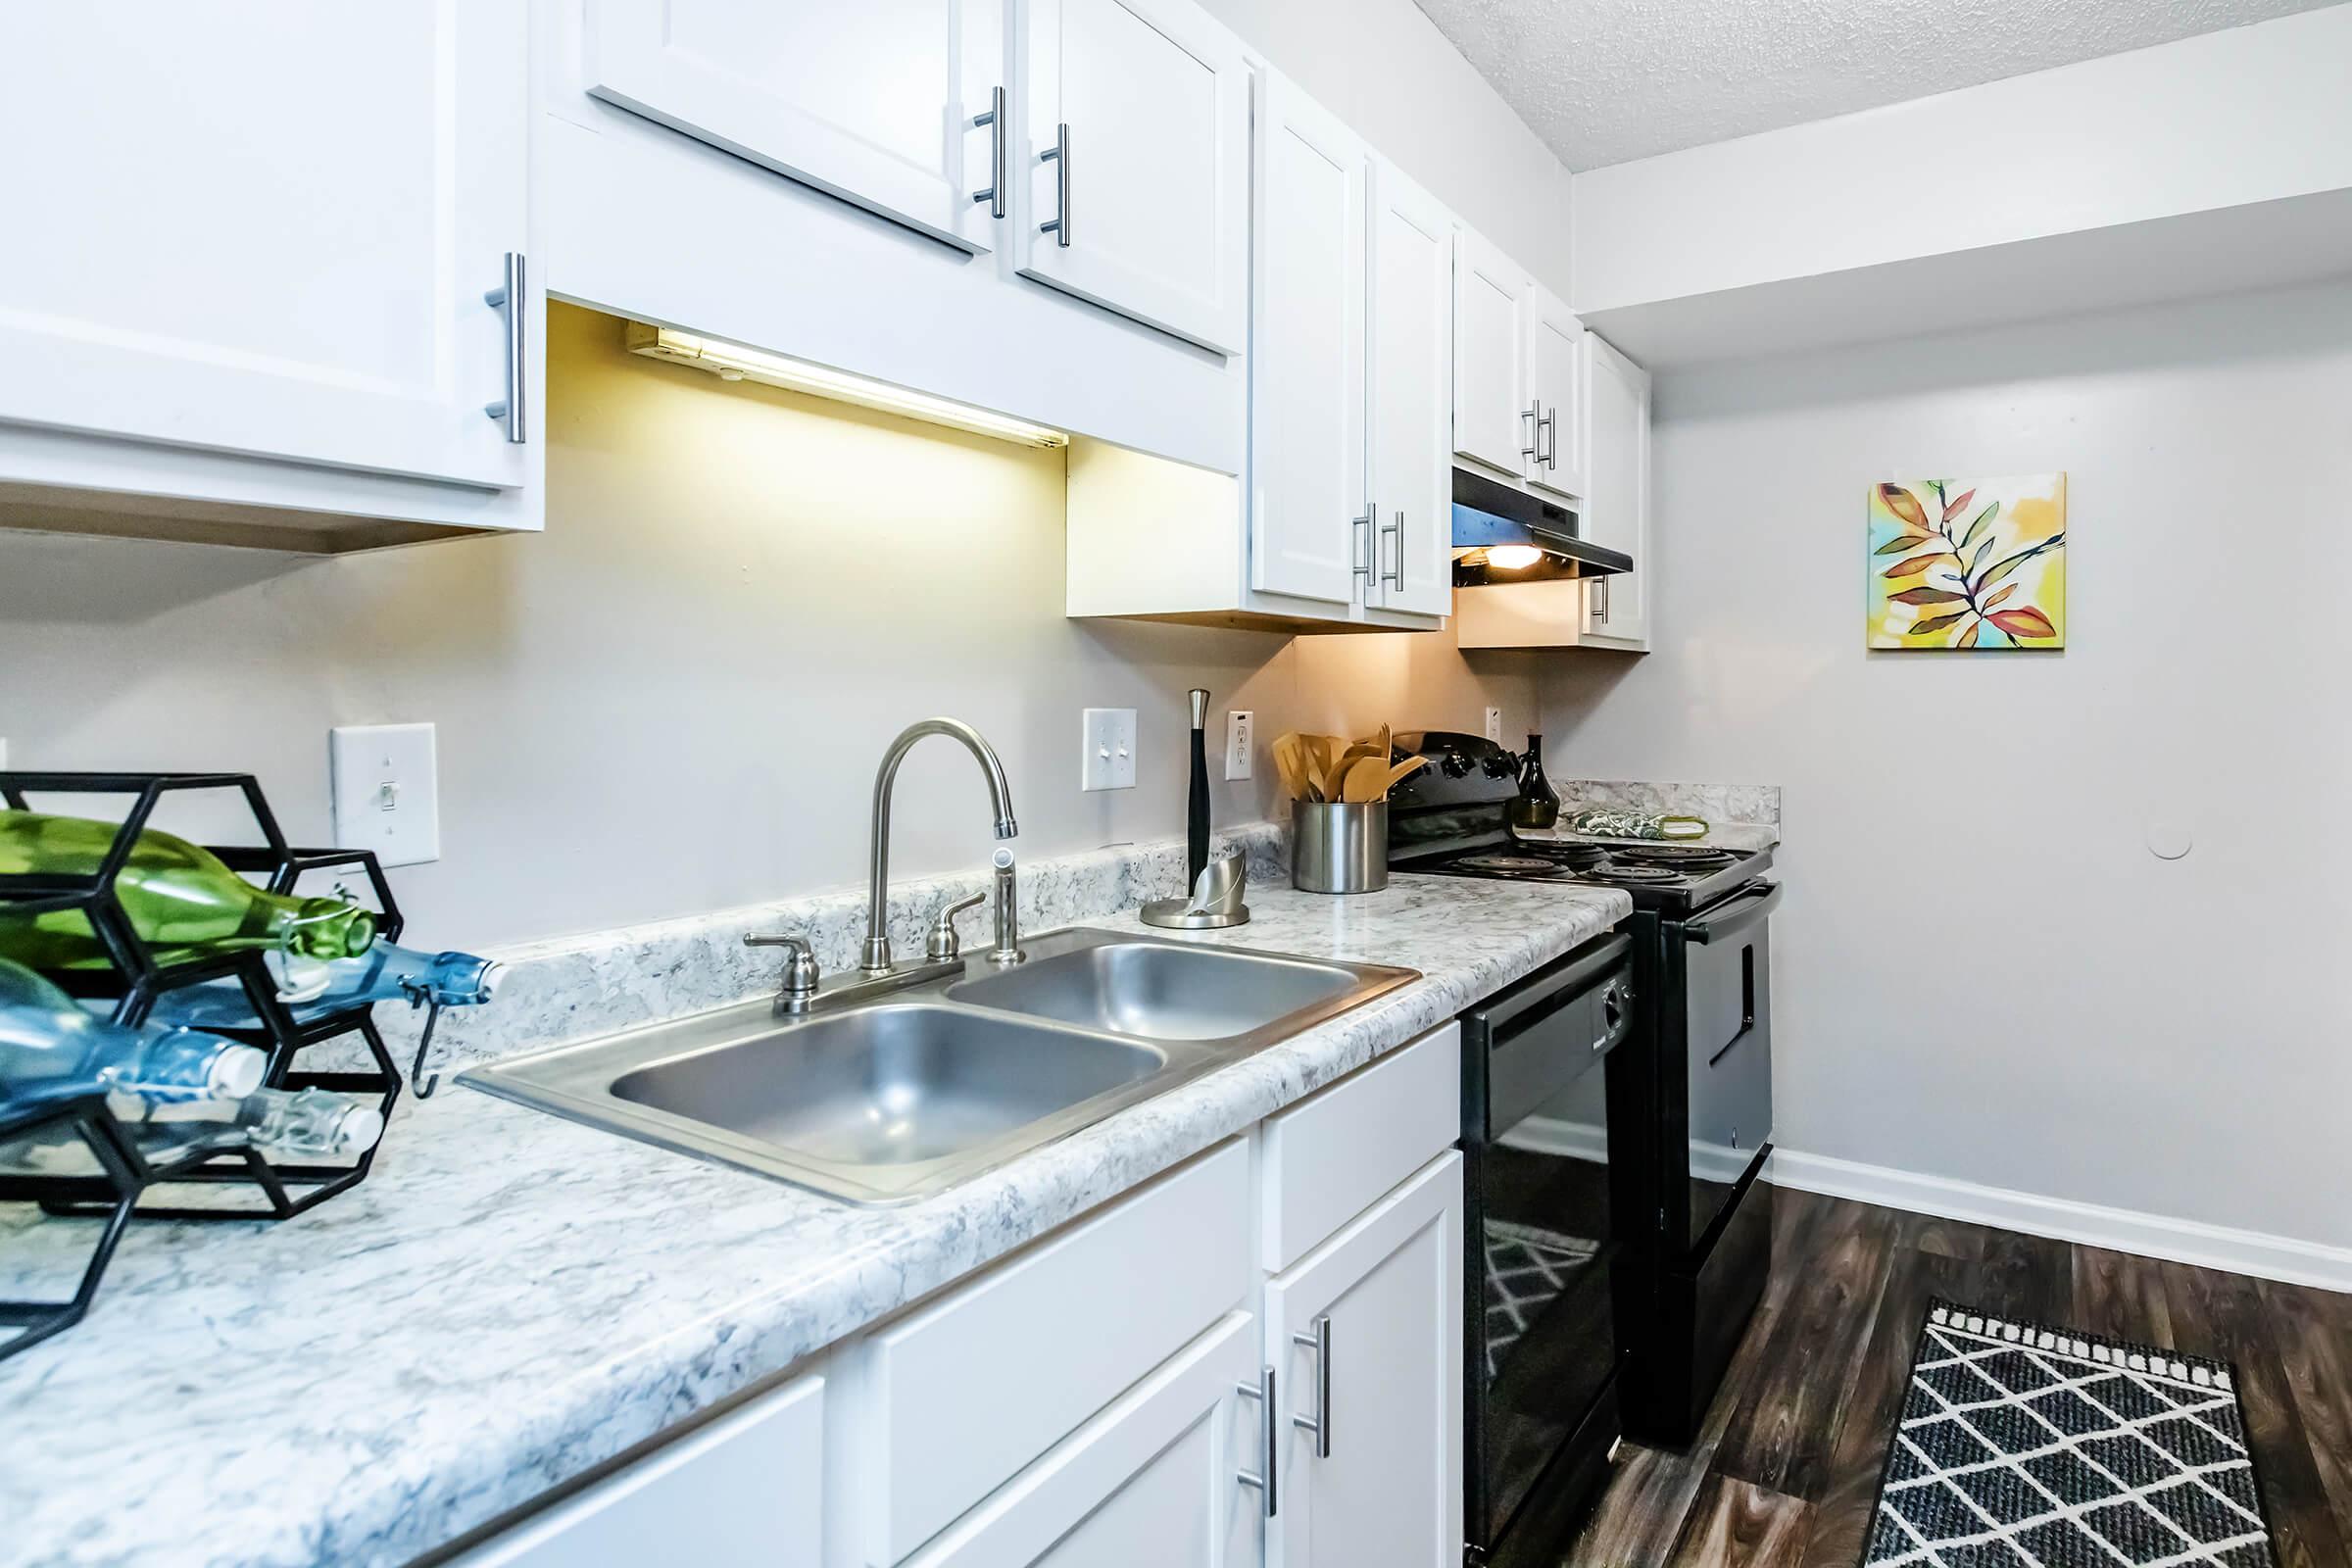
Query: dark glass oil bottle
(1537, 809)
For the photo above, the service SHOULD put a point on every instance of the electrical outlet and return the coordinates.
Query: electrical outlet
(1495, 724)
(386, 796)
(1107, 761)
(1241, 728)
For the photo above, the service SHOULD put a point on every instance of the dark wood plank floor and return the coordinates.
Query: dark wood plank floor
(1785, 1471)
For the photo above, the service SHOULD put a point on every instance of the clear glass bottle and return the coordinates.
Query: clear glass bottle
(52, 1048)
(178, 897)
(385, 972)
(298, 1125)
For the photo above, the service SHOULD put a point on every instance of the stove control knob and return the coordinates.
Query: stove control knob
(1453, 765)
(1498, 765)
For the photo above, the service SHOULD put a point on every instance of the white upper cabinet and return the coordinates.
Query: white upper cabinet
(1135, 141)
(1617, 511)
(267, 231)
(1367, 1332)
(1555, 395)
(875, 103)
(1492, 422)
(1311, 531)
(1412, 367)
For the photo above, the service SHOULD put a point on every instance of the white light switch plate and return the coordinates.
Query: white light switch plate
(1495, 724)
(1108, 739)
(1241, 730)
(385, 792)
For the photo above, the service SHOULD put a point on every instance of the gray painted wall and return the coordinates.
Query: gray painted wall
(1983, 972)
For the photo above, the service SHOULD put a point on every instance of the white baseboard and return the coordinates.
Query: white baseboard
(2123, 1230)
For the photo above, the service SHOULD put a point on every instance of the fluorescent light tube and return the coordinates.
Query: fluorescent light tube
(734, 361)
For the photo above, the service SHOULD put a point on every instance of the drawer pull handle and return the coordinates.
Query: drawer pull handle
(1318, 1340)
(1262, 1478)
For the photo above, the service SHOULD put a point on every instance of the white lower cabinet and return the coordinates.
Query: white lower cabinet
(1154, 1479)
(1135, 1390)
(744, 1491)
(1368, 1329)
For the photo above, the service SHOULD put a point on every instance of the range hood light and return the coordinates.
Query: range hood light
(1514, 557)
(734, 361)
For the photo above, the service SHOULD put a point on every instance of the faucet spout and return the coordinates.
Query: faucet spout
(875, 958)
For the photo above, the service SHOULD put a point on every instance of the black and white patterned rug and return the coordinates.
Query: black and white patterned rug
(2023, 1446)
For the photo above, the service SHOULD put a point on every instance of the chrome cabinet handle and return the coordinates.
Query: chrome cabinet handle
(1364, 553)
(1533, 414)
(1550, 424)
(1598, 590)
(994, 120)
(1262, 1478)
(1318, 1340)
(1058, 155)
(1394, 576)
(507, 299)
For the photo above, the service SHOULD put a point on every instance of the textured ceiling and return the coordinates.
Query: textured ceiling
(1607, 81)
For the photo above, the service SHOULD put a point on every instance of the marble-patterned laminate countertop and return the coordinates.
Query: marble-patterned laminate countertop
(511, 1298)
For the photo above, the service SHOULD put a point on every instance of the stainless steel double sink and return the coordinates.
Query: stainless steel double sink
(900, 1098)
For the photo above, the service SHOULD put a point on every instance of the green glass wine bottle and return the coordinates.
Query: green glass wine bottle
(178, 897)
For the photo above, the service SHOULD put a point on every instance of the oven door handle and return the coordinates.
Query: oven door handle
(1743, 910)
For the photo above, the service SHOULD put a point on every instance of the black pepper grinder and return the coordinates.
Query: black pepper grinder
(1537, 809)
(1196, 819)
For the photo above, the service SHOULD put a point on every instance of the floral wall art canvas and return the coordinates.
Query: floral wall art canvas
(1969, 563)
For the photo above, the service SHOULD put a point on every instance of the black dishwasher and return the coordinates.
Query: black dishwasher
(1540, 1342)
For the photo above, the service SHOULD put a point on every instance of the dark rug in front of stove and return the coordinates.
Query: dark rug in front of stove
(2026, 1446)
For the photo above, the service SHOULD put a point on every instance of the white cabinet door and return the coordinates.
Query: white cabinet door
(1135, 137)
(1411, 367)
(268, 228)
(744, 1491)
(1307, 367)
(1491, 422)
(873, 102)
(1617, 513)
(1367, 1332)
(1555, 391)
(1154, 1479)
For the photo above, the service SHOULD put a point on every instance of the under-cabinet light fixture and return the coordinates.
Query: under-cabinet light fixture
(1512, 557)
(734, 361)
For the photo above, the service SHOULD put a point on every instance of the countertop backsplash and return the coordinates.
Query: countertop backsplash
(1721, 805)
(576, 988)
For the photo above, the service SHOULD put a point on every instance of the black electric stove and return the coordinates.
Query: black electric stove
(1677, 1138)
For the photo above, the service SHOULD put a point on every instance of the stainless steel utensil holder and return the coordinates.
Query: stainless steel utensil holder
(1339, 848)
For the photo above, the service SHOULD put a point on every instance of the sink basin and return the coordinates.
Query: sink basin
(890, 1085)
(1161, 991)
(932, 1082)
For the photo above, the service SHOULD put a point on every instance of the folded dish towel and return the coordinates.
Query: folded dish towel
(1602, 822)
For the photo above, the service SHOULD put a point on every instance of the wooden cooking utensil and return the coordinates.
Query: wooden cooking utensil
(1368, 780)
(1399, 773)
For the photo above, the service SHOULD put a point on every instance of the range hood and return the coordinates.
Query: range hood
(1502, 535)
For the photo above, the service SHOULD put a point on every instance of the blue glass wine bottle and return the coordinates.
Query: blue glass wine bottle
(51, 1048)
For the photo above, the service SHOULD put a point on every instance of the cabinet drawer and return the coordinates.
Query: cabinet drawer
(968, 1391)
(741, 1492)
(1332, 1155)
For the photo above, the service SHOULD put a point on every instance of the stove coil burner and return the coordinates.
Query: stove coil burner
(1505, 862)
(1680, 856)
(1574, 857)
(1634, 875)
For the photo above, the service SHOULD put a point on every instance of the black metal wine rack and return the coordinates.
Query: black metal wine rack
(133, 983)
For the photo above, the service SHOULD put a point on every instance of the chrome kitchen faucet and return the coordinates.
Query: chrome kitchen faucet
(875, 960)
